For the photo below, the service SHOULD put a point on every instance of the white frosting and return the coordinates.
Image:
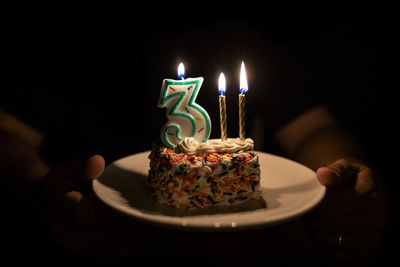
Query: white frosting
(191, 146)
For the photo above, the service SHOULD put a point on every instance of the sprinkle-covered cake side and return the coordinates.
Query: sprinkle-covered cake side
(187, 181)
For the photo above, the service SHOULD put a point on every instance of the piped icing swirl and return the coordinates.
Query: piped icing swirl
(191, 146)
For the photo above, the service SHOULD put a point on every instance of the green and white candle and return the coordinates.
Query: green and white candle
(185, 118)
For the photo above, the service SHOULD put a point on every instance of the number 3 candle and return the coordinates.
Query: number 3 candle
(185, 117)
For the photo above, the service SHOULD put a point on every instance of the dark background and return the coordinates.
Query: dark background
(88, 74)
(98, 65)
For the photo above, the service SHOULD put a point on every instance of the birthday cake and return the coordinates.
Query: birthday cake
(199, 174)
(189, 170)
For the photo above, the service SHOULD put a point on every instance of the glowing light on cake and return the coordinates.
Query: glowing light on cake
(222, 106)
(243, 88)
(181, 71)
(221, 84)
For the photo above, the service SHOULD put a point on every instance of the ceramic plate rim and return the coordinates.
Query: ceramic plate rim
(199, 224)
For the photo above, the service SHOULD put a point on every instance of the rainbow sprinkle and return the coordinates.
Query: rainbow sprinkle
(183, 181)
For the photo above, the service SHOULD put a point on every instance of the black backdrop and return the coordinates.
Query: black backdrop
(89, 74)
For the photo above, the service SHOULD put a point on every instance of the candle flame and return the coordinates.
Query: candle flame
(243, 80)
(221, 84)
(181, 71)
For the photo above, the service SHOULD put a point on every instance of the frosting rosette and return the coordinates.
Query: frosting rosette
(191, 146)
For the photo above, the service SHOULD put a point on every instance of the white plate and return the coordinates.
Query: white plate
(289, 189)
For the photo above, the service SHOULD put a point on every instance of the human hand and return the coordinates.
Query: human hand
(80, 223)
(73, 215)
(348, 225)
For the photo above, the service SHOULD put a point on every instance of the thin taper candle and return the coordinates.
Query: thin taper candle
(222, 106)
(242, 126)
(243, 87)
(222, 114)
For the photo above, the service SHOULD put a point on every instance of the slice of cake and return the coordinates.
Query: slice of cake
(199, 174)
